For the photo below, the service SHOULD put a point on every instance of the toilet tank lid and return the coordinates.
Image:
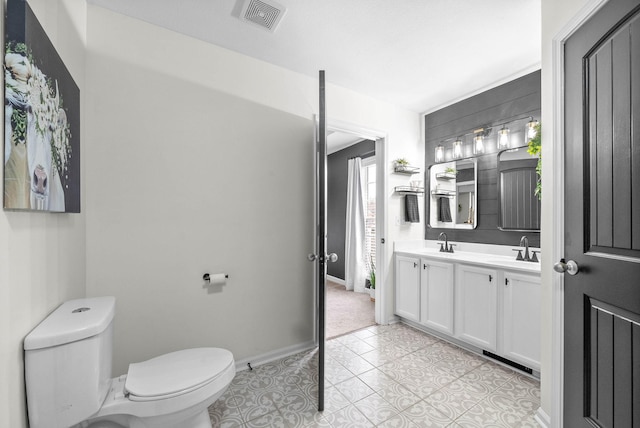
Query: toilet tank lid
(73, 320)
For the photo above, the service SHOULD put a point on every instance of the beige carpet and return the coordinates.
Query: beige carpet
(347, 311)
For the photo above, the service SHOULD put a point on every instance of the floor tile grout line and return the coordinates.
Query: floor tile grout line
(388, 342)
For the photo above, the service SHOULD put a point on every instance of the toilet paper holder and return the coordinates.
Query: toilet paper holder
(207, 277)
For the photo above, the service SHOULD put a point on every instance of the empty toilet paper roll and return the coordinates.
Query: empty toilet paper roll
(216, 278)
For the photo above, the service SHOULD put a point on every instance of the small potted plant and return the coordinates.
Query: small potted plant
(401, 164)
(372, 279)
(451, 171)
(534, 148)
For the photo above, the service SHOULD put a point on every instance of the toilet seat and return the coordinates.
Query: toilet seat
(175, 373)
(122, 403)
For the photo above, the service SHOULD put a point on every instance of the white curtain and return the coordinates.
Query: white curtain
(355, 268)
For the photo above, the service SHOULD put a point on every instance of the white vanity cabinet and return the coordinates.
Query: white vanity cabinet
(521, 318)
(489, 303)
(408, 287)
(436, 295)
(476, 306)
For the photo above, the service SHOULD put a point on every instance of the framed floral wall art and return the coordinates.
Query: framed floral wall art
(42, 119)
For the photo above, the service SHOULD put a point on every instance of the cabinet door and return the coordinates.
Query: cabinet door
(476, 306)
(521, 328)
(407, 287)
(436, 295)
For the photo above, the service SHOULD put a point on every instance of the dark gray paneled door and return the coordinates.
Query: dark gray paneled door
(602, 219)
(321, 256)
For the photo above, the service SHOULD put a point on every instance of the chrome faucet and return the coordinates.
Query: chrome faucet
(447, 248)
(524, 242)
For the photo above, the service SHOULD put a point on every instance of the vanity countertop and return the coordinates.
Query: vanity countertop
(484, 258)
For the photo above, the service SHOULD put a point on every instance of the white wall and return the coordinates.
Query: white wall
(555, 15)
(200, 159)
(42, 256)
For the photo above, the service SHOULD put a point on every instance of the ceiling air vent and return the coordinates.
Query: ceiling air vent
(265, 14)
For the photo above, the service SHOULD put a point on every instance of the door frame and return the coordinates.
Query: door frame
(380, 137)
(556, 376)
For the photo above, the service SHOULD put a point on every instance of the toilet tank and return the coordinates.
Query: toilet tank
(68, 362)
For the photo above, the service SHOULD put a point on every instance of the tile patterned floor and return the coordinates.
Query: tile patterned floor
(381, 376)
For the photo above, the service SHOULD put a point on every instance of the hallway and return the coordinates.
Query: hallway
(347, 311)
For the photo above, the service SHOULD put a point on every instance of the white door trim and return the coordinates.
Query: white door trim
(557, 319)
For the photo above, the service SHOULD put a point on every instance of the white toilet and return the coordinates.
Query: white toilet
(68, 376)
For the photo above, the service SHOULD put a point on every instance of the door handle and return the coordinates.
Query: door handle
(333, 257)
(570, 267)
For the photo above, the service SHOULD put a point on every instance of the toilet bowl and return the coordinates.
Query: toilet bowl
(167, 391)
(68, 376)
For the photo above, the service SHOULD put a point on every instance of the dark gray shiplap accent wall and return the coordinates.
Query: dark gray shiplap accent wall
(337, 200)
(519, 97)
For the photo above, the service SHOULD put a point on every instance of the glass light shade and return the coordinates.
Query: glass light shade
(530, 130)
(503, 138)
(440, 153)
(457, 149)
(478, 144)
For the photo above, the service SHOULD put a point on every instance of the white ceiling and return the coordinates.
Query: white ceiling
(337, 140)
(418, 54)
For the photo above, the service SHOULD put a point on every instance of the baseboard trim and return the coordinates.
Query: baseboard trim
(337, 280)
(276, 354)
(542, 418)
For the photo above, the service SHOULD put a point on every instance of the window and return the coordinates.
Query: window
(369, 184)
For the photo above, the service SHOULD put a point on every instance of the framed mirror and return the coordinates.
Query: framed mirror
(518, 206)
(453, 190)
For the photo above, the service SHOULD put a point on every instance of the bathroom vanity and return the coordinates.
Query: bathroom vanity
(479, 297)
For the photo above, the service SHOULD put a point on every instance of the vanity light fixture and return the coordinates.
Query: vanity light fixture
(509, 134)
(503, 138)
(457, 149)
(440, 153)
(530, 130)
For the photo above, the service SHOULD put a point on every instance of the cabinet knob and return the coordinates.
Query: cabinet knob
(490, 278)
(424, 266)
(415, 264)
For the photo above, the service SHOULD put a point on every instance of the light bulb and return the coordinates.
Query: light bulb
(531, 129)
(457, 149)
(478, 144)
(503, 138)
(439, 153)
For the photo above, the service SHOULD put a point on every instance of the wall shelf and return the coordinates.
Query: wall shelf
(406, 169)
(445, 176)
(443, 193)
(408, 190)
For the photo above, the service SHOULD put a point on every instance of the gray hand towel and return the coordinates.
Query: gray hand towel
(444, 211)
(412, 214)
